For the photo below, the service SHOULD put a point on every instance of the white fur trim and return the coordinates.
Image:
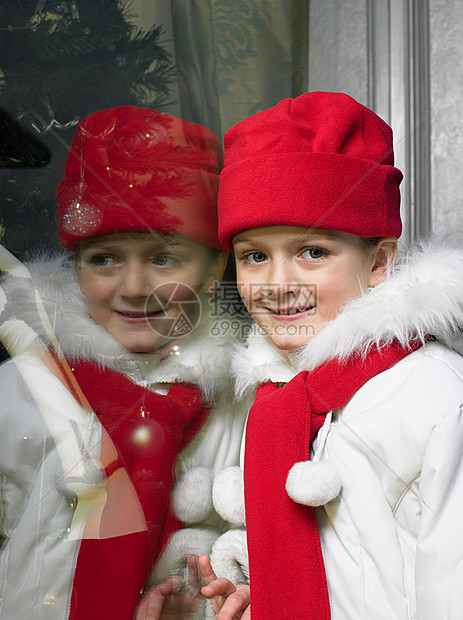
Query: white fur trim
(181, 545)
(257, 362)
(192, 495)
(228, 495)
(313, 484)
(229, 557)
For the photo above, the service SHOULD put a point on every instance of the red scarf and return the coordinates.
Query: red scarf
(287, 573)
(147, 431)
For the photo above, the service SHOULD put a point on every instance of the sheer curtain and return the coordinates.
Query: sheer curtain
(232, 58)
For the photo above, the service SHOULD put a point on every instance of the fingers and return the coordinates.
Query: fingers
(166, 588)
(247, 613)
(193, 572)
(219, 587)
(229, 601)
(173, 597)
(205, 567)
(236, 605)
(152, 603)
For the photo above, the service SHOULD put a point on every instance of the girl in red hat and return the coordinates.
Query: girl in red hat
(137, 376)
(353, 469)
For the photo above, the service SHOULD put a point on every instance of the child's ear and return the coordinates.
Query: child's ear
(215, 273)
(384, 256)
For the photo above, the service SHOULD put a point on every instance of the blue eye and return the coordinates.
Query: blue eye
(255, 257)
(313, 254)
(103, 261)
(164, 261)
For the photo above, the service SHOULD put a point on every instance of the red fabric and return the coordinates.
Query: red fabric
(321, 160)
(148, 430)
(134, 169)
(287, 573)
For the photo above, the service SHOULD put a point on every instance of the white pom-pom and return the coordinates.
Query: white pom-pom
(228, 495)
(313, 484)
(192, 495)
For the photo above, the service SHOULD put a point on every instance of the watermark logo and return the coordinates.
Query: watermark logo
(226, 302)
(177, 309)
(231, 316)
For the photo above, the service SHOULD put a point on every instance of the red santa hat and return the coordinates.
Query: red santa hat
(321, 160)
(134, 169)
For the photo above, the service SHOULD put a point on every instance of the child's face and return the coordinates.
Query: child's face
(118, 274)
(293, 279)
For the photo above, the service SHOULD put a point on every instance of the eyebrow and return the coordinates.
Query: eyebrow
(303, 237)
(98, 247)
(111, 246)
(244, 241)
(180, 244)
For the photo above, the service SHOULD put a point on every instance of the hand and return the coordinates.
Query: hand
(228, 601)
(174, 599)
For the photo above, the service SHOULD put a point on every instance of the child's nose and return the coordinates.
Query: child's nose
(282, 279)
(135, 283)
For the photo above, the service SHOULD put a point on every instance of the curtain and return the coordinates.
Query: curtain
(232, 58)
(236, 58)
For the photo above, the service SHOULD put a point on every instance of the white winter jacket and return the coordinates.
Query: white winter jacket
(392, 540)
(49, 445)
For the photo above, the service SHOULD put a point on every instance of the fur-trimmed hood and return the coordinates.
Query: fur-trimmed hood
(422, 295)
(202, 359)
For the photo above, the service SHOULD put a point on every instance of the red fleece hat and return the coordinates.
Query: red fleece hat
(135, 169)
(321, 160)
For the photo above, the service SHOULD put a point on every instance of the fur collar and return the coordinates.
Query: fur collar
(422, 295)
(202, 358)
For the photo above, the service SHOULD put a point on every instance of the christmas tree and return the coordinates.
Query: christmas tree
(59, 62)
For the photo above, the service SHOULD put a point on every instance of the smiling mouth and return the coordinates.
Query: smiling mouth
(140, 315)
(292, 311)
